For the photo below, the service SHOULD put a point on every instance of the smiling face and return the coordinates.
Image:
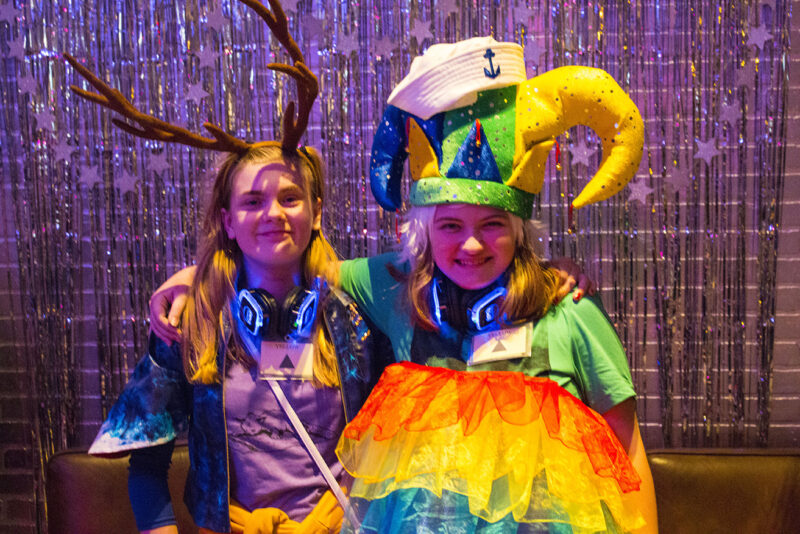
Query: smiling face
(271, 216)
(472, 245)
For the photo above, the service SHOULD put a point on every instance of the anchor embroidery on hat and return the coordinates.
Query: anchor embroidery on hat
(490, 72)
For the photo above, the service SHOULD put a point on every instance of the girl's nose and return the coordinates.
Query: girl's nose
(272, 210)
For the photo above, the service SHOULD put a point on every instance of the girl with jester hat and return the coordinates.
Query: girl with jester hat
(508, 412)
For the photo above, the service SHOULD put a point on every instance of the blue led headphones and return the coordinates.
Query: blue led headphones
(263, 317)
(467, 310)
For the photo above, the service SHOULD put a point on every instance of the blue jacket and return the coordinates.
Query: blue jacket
(158, 403)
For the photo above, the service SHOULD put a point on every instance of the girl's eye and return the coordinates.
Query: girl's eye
(449, 227)
(495, 223)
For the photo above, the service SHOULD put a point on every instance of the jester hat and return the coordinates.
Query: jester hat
(476, 131)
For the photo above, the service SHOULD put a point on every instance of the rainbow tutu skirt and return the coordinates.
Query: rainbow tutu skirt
(442, 451)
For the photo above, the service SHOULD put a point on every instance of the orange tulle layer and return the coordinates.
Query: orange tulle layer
(512, 444)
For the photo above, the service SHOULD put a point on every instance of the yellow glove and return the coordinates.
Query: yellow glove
(325, 518)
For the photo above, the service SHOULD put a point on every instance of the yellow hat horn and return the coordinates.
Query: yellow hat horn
(559, 99)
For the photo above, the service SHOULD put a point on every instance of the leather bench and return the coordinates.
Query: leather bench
(698, 491)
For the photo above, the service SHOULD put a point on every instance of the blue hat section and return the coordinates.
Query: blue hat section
(473, 161)
(389, 153)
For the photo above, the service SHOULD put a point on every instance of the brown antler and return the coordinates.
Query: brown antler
(307, 86)
(151, 127)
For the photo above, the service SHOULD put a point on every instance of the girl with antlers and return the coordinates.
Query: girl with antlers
(261, 461)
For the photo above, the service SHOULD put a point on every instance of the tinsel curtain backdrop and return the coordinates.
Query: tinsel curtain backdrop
(685, 256)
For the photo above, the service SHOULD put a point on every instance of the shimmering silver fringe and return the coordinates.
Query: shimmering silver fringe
(687, 263)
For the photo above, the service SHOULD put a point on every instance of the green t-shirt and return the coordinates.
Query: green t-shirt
(574, 344)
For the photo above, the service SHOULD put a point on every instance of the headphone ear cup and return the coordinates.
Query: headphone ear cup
(450, 308)
(271, 310)
(291, 305)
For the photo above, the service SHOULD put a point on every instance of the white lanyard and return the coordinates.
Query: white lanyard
(314, 453)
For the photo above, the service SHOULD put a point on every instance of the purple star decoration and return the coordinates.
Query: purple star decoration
(421, 31)
(159, 162)
(680, 179)
(639, 191)
(581, 153)
(196, 93)
(208, 58)
(347, 44)
(706, 150)
(90, 175)
(126, 182)
(730, 113)
(9, 13)
(384, 47)
(27, 84)
(312, 28)
(758, 36)
(216, 19)
(63, 150)
(533, 51)
(45, 119)
(523, 14)
(16, 48)
(745, 75)
(446, 7)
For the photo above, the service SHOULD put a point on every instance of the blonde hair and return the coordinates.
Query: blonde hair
(220, 260)
(531, 286)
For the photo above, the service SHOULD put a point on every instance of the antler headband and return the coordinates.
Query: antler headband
(149, 127)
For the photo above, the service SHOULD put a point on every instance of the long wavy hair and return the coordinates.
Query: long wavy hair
(219, 262)
(531, 285)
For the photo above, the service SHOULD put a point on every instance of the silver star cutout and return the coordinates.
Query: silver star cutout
(63, 150)
(730, 113)
(126, 182)
(9, 13)
(523, 14)
(45, 119)
(347, 44)
(679, 179)
(745, 75)
(533, 51)
(706, 150)
(208, 58)
(159, 163)
(16, 48)
(196, 93)
(384, 47)
(291, 5)
(581, 153)
(446, 7)
(90, 175)
(639, 191)
(421, 31)
(312, 28)
(216, 19)
(758, 36)
(27, 84)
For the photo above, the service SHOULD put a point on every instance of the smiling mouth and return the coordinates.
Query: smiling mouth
(472, 262)
(272, 233)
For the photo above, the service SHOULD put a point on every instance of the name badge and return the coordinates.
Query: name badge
(286, 360)
(503, 344)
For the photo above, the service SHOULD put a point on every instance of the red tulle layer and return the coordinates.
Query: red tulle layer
(416, 398)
